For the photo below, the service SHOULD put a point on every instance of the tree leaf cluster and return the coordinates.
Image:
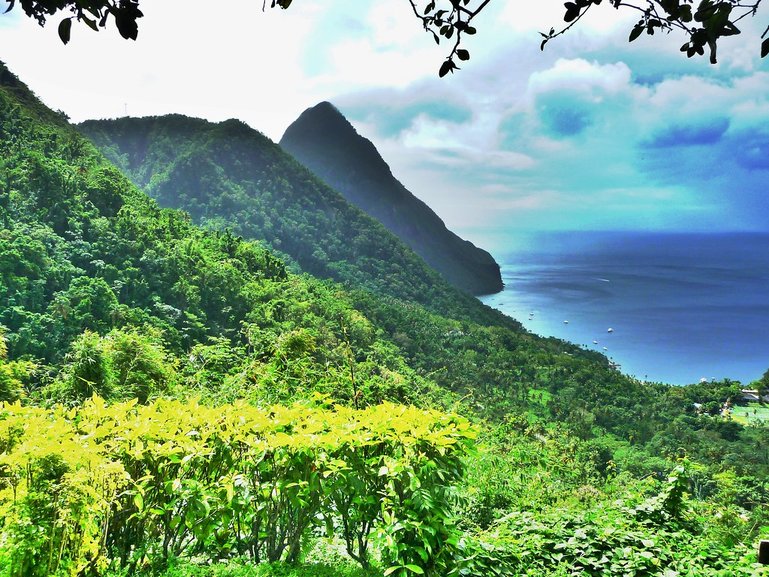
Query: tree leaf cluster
(704, 23)
(93, 13)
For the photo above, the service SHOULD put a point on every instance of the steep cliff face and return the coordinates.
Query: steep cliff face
(324, 141)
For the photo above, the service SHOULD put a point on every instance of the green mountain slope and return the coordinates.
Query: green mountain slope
(323, 140)
(97, 280)
(84, 249)
(229, 175)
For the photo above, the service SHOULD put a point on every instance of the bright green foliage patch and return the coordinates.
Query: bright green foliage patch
(752, 413)
(119, 484)
(544, 506)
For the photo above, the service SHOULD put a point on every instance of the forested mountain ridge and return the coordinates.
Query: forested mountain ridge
(324, 140)
(229, 175)
(193, 461)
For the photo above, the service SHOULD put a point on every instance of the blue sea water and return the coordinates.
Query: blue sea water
(682, 306)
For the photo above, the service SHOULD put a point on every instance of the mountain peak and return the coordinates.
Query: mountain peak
(322, 117)
(8, 78)
(327, 110)
(21, 92)
(325, 141)
(323, 123)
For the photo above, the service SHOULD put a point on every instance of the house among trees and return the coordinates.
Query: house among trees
(752, 395)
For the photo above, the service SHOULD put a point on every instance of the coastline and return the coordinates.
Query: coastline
(682, 307)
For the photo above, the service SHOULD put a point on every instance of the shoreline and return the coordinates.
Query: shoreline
(677, 318)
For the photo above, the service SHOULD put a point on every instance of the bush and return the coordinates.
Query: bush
(127, 484)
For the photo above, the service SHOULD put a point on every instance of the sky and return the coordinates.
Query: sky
(592, 133)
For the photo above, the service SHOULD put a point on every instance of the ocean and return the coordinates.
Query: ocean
(674, 308)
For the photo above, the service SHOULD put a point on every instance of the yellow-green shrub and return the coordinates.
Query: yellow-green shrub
(58, 490)
(129, 482)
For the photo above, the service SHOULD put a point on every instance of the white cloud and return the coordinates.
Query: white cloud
(580, 75)
(233, 62)
(390, 50)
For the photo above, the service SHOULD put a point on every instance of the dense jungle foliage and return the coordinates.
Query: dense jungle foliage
(178, 402)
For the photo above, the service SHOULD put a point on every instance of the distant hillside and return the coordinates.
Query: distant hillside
(229, 175)
(323, 140)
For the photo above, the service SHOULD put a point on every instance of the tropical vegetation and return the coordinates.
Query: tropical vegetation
(179, 401)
